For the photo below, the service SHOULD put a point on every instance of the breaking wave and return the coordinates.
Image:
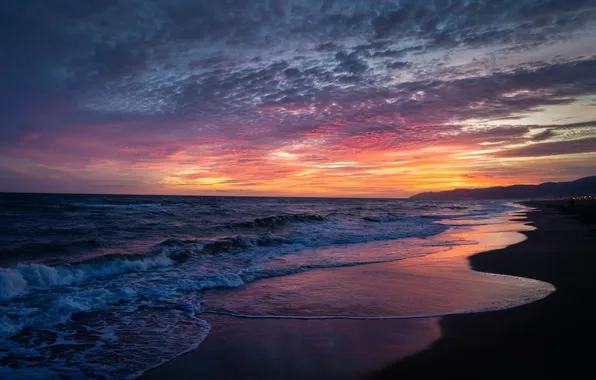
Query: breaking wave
(279, 220)
(17, 281)
(23, 278)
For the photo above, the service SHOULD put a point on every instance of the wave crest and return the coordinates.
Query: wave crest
(280, 220)
(17, 281)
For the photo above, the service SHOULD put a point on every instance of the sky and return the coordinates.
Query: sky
(295, 97)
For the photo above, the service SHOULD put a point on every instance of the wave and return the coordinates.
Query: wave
(174, 247)
(102, 284)
(17, 281)
(384, 219)
(175, 269)
(279, 220)
(69, 289)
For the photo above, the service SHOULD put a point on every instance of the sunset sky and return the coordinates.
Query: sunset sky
(299, 98)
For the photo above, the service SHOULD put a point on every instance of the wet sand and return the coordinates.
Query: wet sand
(550, 338)
(294, 348)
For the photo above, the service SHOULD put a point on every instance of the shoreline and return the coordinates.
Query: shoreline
(548, 338)
(443, 282)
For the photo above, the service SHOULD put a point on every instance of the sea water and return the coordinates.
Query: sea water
(109, 285)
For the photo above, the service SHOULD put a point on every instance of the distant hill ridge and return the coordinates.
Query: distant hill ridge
(582, 186)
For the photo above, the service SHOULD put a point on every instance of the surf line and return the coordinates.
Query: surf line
(348, 317)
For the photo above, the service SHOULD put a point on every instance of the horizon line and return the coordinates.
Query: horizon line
(198, 195)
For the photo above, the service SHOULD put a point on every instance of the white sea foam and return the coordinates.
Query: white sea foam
(110, 344)
(12, 283)
(19, 280)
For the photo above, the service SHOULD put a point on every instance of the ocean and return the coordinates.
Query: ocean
(106, 285)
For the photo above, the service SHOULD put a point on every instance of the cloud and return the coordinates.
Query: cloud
(553, 148)
(543, 135)
(150, 83)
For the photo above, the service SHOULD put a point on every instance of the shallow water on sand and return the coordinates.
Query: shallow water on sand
(432, 285)
(346, 322)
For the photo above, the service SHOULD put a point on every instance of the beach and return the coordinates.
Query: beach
(288, 327)
(354, 289)
(549, 338)
(269, 287)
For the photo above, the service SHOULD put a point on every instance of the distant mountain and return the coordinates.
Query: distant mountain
(582, 186)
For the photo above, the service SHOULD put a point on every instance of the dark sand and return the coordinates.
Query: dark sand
(298, 349)
(550, 338)
(339, 349)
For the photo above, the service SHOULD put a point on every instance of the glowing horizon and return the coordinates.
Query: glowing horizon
(296, 98)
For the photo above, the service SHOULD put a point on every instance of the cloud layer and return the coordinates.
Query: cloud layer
(294, 97)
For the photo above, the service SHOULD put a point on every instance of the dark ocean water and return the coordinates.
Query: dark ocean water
(87, 281)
